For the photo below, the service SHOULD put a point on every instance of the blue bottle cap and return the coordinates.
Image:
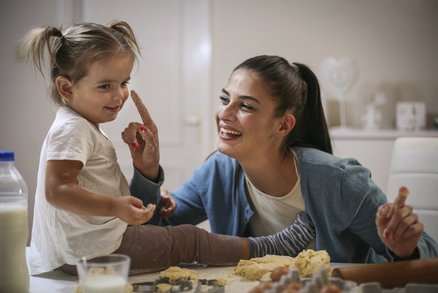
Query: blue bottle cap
(6, 156)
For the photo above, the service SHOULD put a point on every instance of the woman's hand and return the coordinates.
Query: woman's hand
(398, 226)
(167, 204)
(131, 210)
(142, 140)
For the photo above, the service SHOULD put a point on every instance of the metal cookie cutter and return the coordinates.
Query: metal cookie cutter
(181, 285)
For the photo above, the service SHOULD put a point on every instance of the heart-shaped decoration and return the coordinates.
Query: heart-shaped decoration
(338, 76)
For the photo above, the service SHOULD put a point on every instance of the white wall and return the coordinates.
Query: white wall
(25, 110)
(393, 42)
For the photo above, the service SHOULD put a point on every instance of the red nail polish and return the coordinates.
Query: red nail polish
(134, 146)
(142, 128)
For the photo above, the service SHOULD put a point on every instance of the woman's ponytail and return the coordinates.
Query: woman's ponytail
(311, 127)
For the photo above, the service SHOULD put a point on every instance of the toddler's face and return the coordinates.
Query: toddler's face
(101, 94)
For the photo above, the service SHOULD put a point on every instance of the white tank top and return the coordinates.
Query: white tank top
(272, 214)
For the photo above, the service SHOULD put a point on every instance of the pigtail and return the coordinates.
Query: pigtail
(311, 128)
(127, 32)
(37, 41)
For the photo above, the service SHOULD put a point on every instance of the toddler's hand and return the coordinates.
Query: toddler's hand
(131, 210)
(149, 209)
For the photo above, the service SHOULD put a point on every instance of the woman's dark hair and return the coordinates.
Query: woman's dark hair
(294, 87)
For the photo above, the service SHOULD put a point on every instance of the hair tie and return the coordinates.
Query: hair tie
(55, 32)
(295, 67)
(63, 39)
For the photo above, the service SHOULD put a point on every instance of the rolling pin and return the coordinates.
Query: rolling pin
(389, 275)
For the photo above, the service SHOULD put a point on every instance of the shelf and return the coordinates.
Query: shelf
(390, 134)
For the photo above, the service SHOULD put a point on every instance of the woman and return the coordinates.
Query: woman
(275, 160)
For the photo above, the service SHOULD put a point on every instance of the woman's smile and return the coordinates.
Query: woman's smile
(227, 133)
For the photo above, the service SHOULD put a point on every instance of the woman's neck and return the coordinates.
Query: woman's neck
(274, 174)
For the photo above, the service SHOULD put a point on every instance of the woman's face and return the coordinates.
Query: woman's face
(245, 119)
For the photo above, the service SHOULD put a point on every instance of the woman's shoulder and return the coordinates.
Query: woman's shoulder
(329, 169)
(311, 157)
(345, 181)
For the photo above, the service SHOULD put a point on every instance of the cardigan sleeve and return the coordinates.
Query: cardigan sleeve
(192, 197)
(342, 201)
(368, 196)
(148, 191)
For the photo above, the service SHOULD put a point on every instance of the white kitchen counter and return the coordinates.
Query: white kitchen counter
(58, 281)
(55, 282)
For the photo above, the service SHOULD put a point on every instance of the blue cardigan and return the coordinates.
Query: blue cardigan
(339, 196)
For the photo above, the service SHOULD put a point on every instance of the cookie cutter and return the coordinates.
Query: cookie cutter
(180, 285)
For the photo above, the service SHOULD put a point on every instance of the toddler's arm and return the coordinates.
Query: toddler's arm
(64, 192)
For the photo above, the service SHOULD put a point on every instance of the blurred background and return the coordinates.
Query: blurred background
(383, 51)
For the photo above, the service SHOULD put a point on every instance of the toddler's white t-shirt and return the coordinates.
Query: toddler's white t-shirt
(59, 236)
